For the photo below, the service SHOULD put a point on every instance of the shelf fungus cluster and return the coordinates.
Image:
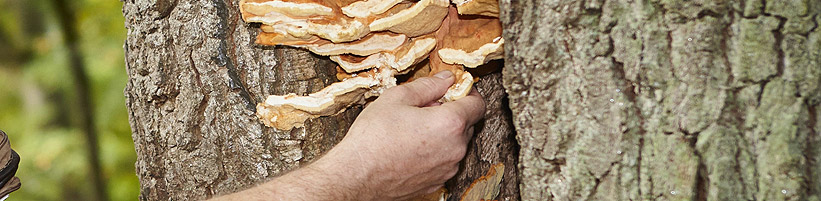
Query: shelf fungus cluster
(373, 42)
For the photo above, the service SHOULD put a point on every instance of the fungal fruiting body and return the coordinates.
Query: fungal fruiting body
(478, 7)
(373, 41)
(487, 186)
(291, 111)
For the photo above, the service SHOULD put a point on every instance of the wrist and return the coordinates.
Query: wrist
(339, 175)
(346, 172)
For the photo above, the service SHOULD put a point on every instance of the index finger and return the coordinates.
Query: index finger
(471, 108)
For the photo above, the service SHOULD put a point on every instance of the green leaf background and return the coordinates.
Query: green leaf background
(37, 99)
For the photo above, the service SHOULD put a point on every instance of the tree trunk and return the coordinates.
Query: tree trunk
(195, 76)
(665, 100)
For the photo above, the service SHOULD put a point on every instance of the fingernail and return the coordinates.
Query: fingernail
(445, 74)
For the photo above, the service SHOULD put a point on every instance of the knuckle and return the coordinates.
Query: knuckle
(482, 106)
(452, 172)
(458, 154)
(450, 125)
(451, 118)
(455, 125)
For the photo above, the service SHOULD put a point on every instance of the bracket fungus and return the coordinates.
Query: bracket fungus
(368, 7)
(485, 187)
(368, 45)
(290, 110)
(423, 17)
(478, 7)
(373, 41)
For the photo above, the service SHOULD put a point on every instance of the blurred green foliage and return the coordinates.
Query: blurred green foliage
(37, 98)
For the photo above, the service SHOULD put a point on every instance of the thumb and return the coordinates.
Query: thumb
(421, 91)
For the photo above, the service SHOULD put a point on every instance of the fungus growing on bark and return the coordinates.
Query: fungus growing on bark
(464, 34)
(439, 195)
(400, 59)
(478, 7)
(290, 111)
(374, 41)
(266, 38)
(485, 53)
(470, 40)
(367, 8)
(423, 17)
(371, 44)
(487, 186)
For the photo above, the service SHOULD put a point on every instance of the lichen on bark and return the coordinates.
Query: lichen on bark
(670, 100)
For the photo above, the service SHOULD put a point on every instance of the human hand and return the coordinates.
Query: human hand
(405, 143)
(402, 145)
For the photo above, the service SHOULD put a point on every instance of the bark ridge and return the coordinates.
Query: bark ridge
(667, 100)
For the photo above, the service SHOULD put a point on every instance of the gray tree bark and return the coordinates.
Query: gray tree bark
(665, 100)
(195, 76)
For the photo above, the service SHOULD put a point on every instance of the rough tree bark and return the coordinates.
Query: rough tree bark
(665, 99)
(194, 79)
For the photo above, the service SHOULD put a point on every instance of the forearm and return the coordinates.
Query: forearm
(317, 181)
(321, 180)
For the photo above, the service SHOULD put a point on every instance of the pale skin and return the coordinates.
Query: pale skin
(404, 144)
